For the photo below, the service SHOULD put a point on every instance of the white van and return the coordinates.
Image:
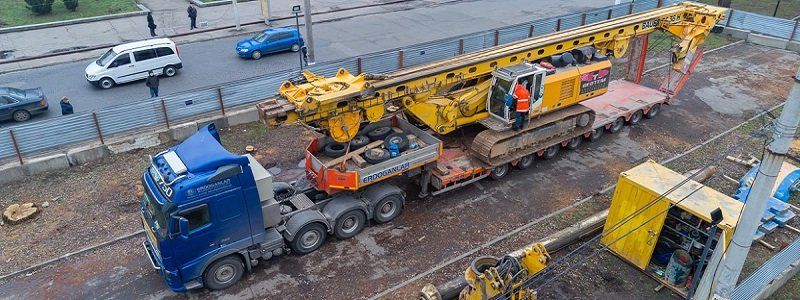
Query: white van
(132, 61)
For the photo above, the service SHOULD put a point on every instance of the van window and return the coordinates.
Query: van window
(144, 54)
(121, 61)
(164, 51)
(197, 217)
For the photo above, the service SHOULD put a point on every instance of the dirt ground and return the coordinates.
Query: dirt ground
(430, 234)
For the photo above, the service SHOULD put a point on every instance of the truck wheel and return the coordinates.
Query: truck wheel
(398, 138)
(617, 125)
(551, 151)
(223, 273)
(379, 134)
(335, 149)
(574, 143)
(358, 142)
(525, 162)
(349, 224)
(499, 172)
(309, 238)
(654, 110)
(387, 208)
(596, 134)
(636, 117)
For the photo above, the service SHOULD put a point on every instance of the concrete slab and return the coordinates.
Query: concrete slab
(46, 163)
(137, 142)
(793, 46)
(737, 33)
(219, 121)
(768, 41)
(181, 131)
(82, 155)
(243, 116)
(11, 172)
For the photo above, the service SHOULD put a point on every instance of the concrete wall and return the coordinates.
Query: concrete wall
(763, 40)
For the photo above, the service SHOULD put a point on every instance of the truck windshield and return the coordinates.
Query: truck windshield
(156, 214)
(106, 58)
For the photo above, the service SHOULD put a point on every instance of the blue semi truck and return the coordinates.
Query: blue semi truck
(210, 215)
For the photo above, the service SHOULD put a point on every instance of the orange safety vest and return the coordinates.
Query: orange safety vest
(523, 98)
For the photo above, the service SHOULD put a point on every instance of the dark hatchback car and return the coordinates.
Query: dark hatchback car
(19, 105)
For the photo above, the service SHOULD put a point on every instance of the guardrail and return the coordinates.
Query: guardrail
(54, 134)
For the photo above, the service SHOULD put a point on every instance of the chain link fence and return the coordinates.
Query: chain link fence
(55, 134)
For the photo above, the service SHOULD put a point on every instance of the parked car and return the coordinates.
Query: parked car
(132, 61)
(19, 105)
(270, 41)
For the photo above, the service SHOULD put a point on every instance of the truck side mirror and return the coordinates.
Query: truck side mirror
(183, 224)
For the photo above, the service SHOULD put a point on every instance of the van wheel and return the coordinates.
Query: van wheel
(223, 273)
(295, 47)
(21, 115)
(256, 55)
(309, 238)
(107, 83)
(170, 71)
(349, 224)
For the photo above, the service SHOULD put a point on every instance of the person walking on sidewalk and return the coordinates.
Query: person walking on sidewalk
(152, 83)
(66, 107)
(192, 11)
(151, 24)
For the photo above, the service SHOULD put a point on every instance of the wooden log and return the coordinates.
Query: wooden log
(356, 152)
(359, 161)
(16, 213)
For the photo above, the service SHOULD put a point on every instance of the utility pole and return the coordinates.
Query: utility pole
(236, 14)
(266, 11)
(783, 134)
(309, 33)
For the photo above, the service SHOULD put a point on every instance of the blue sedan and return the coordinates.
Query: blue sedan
(19, 105)
(270, 41)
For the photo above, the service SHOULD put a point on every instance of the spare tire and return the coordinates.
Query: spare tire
(335, 149)
(358, 142)
(379, 133)
(376, 155)
(398, 138)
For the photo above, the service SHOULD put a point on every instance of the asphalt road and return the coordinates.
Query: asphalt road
(214, 62)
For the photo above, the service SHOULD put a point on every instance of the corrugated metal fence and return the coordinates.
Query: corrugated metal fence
(54, 134)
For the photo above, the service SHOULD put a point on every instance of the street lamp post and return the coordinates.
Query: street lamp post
(296, 12)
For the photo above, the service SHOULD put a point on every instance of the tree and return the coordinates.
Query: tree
(72, 5)
(40, 7)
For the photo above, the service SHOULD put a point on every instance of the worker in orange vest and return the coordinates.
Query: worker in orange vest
(522, 104)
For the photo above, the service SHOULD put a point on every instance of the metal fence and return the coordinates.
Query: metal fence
(54, 134)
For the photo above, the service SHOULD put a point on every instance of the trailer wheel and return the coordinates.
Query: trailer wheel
(500, 172)
(654, 110)
(387, 208)
(574, 143)
(223, 273)
(596, 134)
(349, 224)
(379, 133)
(335, 149)
(398, 138)
(376, 155)
(309, 238)
(358, 142)
(525, 162)
(636, 117)
(551, 151)
(617, 125)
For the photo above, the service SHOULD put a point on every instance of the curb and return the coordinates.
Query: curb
(201, 4)
(142, 11)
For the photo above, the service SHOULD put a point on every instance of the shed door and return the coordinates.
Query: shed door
(624, 233)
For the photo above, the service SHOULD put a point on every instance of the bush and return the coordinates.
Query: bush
(40, 7)
(72, 5)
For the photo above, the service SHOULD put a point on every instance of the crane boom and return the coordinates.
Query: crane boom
(456, 85)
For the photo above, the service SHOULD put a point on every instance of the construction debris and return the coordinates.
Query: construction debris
(17, 213)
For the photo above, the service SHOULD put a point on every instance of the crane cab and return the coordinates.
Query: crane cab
(504, 81)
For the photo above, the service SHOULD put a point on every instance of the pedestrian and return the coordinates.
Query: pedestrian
(152, 83)
(66, 107)
(151, 24)
(192, 11)
(523, 98)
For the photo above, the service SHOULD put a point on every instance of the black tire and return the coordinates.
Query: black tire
(309, 238)
(335, 149)
(551, 151)
(376, 155)
(106, 83)
(349, 224)
(21, 115)
(380, 133)
(398, 138)
(597, 133)
(256, 55)
(387, 208)
(574, 143)
(653, 111)
(525, 162)
(617, 125)
(358, 142)
(295, 47)
(223, 273)
(500, 172)
(636, 117)
(170, 71)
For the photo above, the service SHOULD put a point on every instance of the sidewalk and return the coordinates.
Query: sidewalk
(170, 17)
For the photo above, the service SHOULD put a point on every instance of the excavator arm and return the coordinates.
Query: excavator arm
(450, 93)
